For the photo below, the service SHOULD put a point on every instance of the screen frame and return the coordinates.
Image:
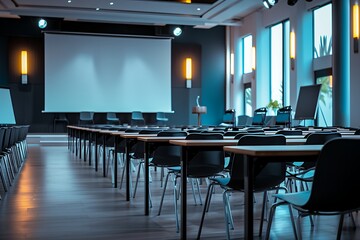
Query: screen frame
(308, 96)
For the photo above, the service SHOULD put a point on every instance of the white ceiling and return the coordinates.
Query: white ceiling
(149, 12)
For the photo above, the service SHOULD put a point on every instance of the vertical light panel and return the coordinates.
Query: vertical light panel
(356, 27)
(24, 67)
(253, 59)
(188, 74)
(292, 50)
(232, 67)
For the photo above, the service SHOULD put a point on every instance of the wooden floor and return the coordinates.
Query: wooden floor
(58, 196)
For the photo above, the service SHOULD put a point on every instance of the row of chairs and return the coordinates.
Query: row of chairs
(13, 151)
(137, 118)
(269, 176)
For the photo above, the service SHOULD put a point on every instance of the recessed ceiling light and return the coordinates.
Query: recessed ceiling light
(97, 9)
(111, 3)
(198, 9)
(69, 1)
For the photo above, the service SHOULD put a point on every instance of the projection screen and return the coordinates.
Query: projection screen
(6, 108)
(104, 73)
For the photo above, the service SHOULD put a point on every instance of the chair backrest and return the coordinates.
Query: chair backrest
(168, 155)
(267, 175)
(138, 148)
(208, 162)
(86, 118)
(259, 116)
(160, 116)
(137, 115)
(243, 120)
(283, 116)
(336, 180)
(229, 116)
(357, 132)
(137, 118)
(321, 137)
(2, 136)
(318, 138)
(289, 132)
(241, 134)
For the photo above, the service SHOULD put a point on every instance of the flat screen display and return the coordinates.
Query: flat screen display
(6, 108)
(105, 73)
(307, 102)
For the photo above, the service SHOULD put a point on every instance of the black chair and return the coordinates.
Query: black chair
(357, 132)
(289, 132)
(161, 119)
(259, 116)
(268, 176)
(283, 117)
(137, 118)
(60, 117)
(304, 171)
(334, 188)
(229, 118)
(202, 164)
(86, 118)
(111, 118)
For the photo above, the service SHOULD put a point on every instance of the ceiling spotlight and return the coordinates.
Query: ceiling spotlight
(269, 3)
(292, 2)
(177, 31)
(42, 23)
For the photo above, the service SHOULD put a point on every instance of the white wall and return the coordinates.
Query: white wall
(301, 19)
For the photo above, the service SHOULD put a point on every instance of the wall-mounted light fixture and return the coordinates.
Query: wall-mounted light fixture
(232, 64)
(24, 69)
(269, 3)
(253, 58)
(292, 50)
(356, 27)
(42, 23)
(188, 74)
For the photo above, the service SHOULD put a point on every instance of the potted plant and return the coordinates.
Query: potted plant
(273, 106)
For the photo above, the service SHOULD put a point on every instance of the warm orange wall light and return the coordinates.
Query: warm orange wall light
(232, 68)
(356, 27)
(188, 75)
(292, 49)
(253, 59)
(24, 67)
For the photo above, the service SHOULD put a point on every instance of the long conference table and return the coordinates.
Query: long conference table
(295, 148)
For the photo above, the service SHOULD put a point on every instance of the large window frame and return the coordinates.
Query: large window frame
(280, 63)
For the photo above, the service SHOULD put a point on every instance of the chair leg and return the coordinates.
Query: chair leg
(299, 233)
(163, 194)
(341, 221)
(137, 177)
(176, 206)
(262, 213)
(226, 213)
(207, 202)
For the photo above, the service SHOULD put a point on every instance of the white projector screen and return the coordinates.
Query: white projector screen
(6, 108)
(103, 73)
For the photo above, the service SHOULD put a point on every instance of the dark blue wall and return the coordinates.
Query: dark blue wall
(207, 47)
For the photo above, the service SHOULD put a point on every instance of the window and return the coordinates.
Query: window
(279, 63)
(324, 114)
(247, 99)
(323, 31)
(247, 54)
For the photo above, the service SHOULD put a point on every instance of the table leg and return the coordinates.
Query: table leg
(116, 143)
(96, 151)
(104, 156)
(127, 152)
(249, 197)
(184, 160)
(146, 187)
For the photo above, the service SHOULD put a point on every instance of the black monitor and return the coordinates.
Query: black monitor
(307, 102)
